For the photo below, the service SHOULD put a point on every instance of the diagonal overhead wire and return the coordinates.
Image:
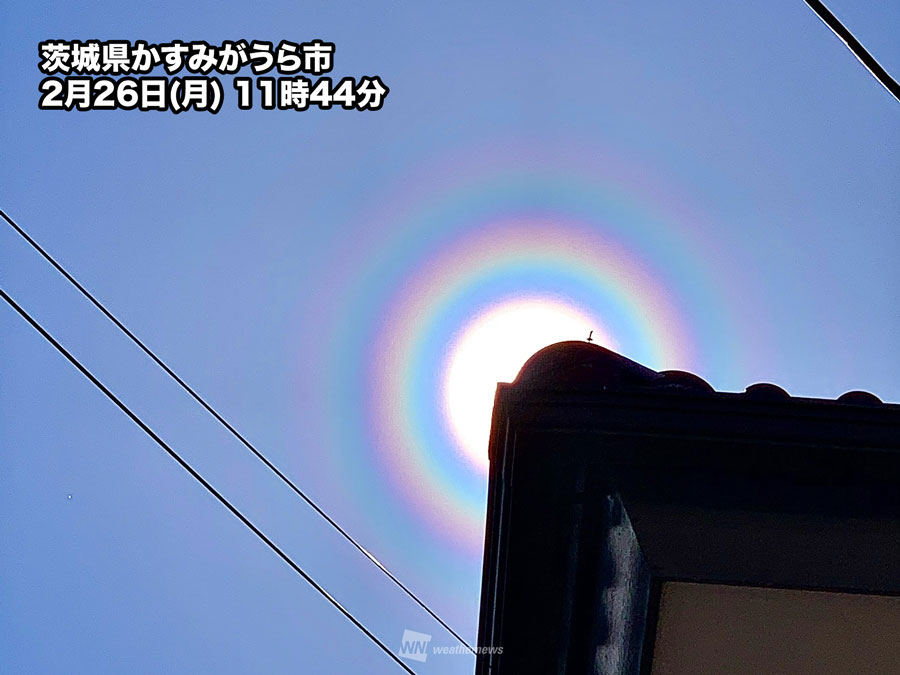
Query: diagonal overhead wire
(234, 432)
(856, 47)
(200, 479)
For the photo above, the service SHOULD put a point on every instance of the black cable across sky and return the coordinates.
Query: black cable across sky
(856, 47)
(200, 479)
(219, 418)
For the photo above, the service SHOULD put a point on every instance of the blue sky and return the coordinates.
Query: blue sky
(256, 250)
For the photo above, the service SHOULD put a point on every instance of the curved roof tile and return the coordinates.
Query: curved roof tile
(587, 366)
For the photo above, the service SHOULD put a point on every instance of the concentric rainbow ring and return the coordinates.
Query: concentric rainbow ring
(499, 238)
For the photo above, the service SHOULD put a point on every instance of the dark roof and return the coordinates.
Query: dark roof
(577, 365)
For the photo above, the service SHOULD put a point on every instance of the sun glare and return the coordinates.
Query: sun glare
(491, 349)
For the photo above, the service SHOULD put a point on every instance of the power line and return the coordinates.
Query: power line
(856, 47)
(200, 479)
(234, 432)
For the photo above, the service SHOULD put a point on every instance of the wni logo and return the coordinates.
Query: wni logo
(414, 646)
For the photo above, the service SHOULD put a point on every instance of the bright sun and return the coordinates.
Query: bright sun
(491, 349)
